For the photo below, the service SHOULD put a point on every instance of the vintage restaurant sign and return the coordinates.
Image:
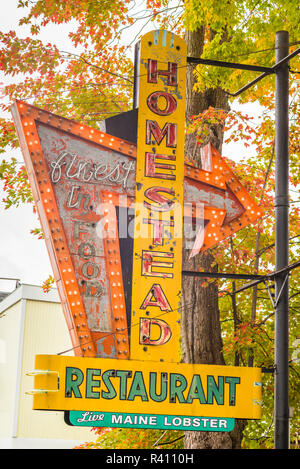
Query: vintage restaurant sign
(157, 250)
(113, 216)
(141, 387)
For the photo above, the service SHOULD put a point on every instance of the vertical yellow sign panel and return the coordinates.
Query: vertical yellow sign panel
(157, 258)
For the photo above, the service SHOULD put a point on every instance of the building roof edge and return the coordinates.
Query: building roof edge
(28, 292)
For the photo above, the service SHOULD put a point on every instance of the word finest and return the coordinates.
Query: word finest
(86, 171)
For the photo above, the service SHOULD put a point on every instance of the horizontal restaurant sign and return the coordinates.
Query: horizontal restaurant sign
(131, 386)
(154, 421)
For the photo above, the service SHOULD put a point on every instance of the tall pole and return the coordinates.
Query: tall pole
(281, 399)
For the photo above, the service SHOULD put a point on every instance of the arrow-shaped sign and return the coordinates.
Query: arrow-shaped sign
(83, 184)
(228, 207)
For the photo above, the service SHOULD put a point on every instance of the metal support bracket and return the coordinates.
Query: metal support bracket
(281, 290)
(40, 373)
(269, 293)
(275, 303)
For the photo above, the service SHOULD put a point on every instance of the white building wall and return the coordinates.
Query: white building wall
(33, 324)
(10, 324)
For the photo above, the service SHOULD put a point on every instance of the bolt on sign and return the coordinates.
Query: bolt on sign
(142, 387)
(157, 249)
(113, 219)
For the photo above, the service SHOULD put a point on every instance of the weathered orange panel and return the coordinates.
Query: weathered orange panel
(66, 170)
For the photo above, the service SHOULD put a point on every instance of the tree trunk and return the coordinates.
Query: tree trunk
(201, 331)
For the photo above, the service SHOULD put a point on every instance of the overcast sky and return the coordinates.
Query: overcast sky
(22, 255)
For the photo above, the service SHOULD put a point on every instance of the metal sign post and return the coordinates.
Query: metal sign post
(281, 403)
(282, 268)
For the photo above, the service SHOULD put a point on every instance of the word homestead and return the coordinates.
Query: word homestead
(157, 255)
(169, 422)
